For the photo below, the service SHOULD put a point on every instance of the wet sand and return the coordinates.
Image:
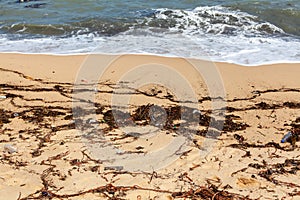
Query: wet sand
(51, 108)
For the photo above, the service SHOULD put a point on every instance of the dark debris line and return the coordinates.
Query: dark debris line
(38, 114)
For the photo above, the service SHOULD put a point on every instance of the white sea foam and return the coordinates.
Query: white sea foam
(214, 33)
(214, 19)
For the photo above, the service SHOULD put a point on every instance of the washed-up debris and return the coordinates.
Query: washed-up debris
(120, 151)
(133, 134)
(92, 121)
(45, 194)
(116, 191)
(43, 112)
(239, 138)
(10, 148)
(286, 137)
(116, 168)
(246, 145)
(157, 115)
(271, 171)
(2, 97)
(196, 111)
(291, 137)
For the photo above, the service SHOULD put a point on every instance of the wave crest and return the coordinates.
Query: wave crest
(214, 20)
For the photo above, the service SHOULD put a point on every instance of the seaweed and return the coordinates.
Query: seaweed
(42, 113)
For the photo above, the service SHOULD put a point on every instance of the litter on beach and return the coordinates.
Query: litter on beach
(10, 149)
(286, 137)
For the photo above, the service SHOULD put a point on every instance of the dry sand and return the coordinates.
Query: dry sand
(55, 148)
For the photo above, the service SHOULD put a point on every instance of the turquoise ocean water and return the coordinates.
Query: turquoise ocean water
(246, 32)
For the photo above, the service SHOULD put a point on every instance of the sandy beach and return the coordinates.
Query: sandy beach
(52, 108)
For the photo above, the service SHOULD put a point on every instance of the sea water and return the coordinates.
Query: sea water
(245, 32)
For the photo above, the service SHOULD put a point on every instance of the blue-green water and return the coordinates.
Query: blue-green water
(245, 31)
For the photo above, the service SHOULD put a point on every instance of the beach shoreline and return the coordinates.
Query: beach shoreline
(49, 158)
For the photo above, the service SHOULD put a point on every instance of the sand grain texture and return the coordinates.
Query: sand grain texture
(53, 162)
